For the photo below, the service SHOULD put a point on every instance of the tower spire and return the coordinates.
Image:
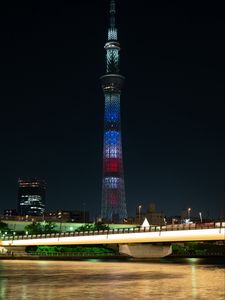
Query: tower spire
(112, 31)
(112, 12)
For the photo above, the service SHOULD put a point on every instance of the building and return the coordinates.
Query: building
(153, 217)
(79, 216)
(9, 212)
(31, 197)
(76, 216)
(113, 208)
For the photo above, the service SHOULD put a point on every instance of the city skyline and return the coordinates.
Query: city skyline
(52, 104)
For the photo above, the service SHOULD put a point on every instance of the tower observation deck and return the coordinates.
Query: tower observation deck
(113, 206)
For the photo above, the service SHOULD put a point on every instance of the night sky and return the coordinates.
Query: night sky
(52, 105)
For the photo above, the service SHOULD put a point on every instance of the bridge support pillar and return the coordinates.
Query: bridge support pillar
(3, 250)
(145, 250)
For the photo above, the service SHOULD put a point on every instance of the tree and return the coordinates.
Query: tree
(34, 228)
(40, 228)
(101, 226)
(4, 227)
(49, 227)
(93, 227)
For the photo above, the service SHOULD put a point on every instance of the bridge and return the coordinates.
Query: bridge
(134, 239)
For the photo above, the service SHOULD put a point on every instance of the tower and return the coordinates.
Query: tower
(113, 192)
(31, 197)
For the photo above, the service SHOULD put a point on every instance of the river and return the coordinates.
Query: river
(94, 279)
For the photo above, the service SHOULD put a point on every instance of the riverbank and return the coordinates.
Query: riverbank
(62, 257)
(170, 258)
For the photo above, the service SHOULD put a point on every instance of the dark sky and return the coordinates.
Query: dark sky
(51, 116)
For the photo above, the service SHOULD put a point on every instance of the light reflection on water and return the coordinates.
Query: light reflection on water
(54, 280)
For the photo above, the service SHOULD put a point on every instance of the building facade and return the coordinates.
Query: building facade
(153, 217)
(113, 208)
(76, 216)
(31, 197)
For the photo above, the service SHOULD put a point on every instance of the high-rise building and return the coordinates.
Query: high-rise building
(113, 192)
(31, 197)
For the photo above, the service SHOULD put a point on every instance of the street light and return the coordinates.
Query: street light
(139, 213)
(200, 216)
(189, 212)
(84, 212)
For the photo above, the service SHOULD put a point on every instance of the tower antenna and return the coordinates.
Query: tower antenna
(112, 12)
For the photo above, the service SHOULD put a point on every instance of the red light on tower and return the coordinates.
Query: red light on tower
(112, 165)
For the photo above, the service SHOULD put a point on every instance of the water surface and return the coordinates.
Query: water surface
(52, 280)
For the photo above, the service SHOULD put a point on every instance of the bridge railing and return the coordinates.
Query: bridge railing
(174, 227)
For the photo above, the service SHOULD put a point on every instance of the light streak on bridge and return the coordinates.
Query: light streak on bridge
(156, 234)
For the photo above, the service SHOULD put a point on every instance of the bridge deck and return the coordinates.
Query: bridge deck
(151, 234)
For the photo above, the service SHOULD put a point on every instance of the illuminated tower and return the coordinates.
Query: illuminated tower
(113, 191)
